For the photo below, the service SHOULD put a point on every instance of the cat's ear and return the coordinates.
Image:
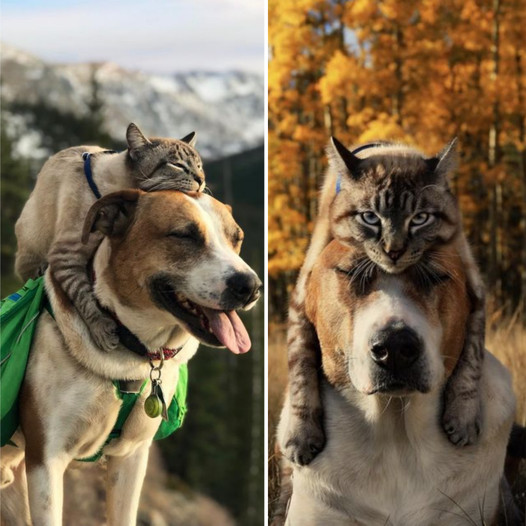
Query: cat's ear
(446, 161)
(111, 214)
(190, 139)
(136, 140)
(343, 160)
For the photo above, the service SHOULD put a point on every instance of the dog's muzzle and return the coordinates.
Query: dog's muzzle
(396, 347)
(397, 352)
(243, 288)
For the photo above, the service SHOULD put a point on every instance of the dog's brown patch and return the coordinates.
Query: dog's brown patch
(453, 311)
(320, 311)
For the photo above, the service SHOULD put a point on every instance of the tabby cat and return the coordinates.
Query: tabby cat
(396, 205)
(50, 225)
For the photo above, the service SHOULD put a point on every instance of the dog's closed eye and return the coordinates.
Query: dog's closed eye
(238, 237)
(190, 233)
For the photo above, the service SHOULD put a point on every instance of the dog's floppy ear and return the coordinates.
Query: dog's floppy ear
(136, 140)
(111, 214)
(190, 139)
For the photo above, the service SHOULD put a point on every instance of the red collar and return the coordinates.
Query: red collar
(167, 352)
(131, 342)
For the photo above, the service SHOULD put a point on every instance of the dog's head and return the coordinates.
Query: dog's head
(385, 333)
(178, 253)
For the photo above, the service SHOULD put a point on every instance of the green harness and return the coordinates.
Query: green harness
(19, 314)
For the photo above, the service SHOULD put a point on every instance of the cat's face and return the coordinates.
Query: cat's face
(396, 206)
(165, 164)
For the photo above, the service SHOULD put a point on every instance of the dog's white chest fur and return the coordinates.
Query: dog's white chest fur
(392, 465)
(89, 404)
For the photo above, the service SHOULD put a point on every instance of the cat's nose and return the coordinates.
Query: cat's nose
(394, 255)
(199, 179)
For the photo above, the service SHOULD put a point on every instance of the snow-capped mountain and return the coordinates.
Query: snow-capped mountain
(225, 109)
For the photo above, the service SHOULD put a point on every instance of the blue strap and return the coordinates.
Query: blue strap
(369, 145)
(14, 297)
(354, 152)
(339, 183)
(89, 175)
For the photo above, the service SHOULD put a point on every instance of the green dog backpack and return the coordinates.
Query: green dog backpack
(19, 314)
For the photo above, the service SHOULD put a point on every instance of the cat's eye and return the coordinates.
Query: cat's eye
(421, 219)
(179, 166)
(370, 218)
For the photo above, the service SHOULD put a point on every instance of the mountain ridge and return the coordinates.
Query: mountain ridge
(225, 109)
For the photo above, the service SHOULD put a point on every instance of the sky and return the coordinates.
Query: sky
(156, 36)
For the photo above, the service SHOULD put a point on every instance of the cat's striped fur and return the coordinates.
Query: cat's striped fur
(395, 204)
(50, 226)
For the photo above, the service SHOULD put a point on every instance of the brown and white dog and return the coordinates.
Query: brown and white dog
(388, 344)
(170, 270)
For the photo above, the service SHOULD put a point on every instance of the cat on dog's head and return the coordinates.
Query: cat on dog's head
(393, 200)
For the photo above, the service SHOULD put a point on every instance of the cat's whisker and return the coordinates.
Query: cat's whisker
(356, 273)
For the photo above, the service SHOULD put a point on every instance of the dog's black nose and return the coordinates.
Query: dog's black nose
(244, 286)
(396, 347)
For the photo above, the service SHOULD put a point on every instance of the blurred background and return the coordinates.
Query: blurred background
(78, 73)
(421, 72)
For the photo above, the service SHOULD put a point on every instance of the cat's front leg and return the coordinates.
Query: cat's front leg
(68, 261)
(303, 437)
(462, 419)
(102, 328)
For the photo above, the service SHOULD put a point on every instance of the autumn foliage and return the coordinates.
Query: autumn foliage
(416, 71)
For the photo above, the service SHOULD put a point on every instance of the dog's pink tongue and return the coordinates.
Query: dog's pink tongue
(229, 330)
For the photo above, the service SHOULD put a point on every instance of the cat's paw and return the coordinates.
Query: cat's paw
(462, 421)
(41, 270)
(104, 333)
(303, 440)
